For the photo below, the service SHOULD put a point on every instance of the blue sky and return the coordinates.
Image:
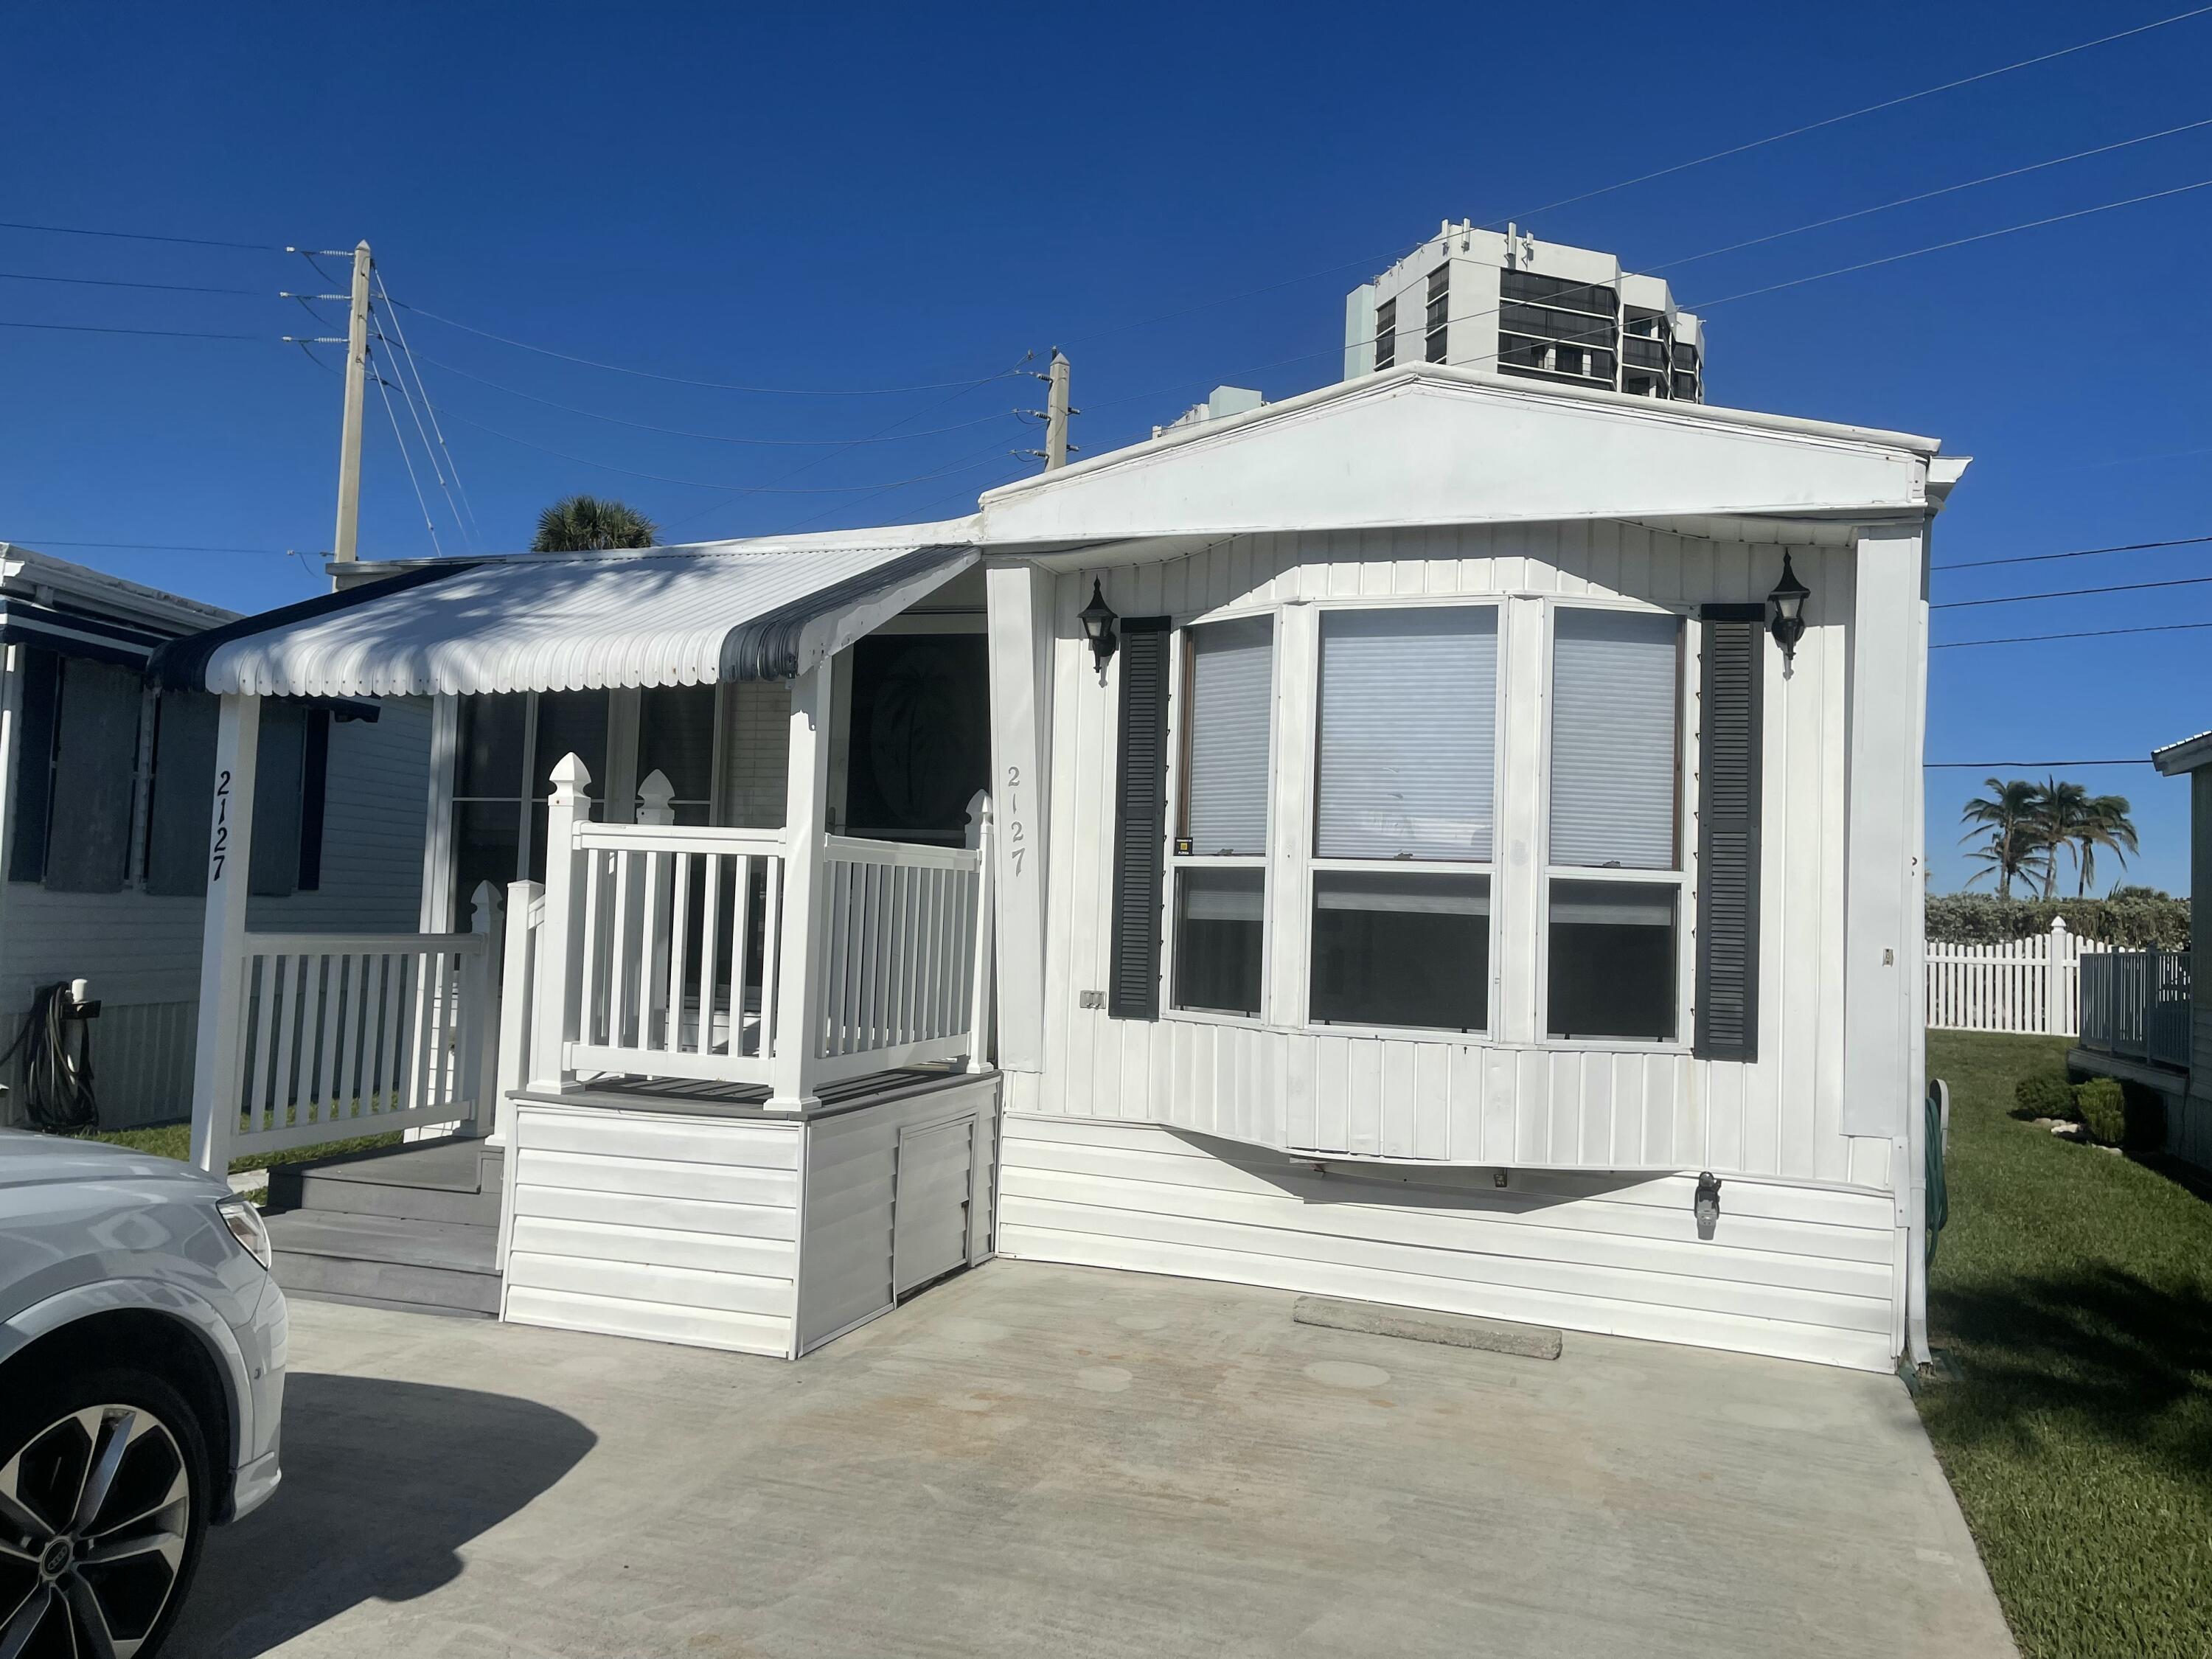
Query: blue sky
(836, 199)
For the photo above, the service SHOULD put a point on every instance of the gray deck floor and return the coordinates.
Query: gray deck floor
(1033, 1460)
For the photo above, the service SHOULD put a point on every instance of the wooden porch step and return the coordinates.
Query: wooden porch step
(439, 1181)
(392, 1261)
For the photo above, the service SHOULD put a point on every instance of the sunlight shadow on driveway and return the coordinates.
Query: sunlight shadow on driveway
(384, 1482)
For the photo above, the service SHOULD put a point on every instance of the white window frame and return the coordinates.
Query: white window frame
(1172, 862)
(1682, 877)
(1308, 863)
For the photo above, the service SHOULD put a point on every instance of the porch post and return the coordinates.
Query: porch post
(980, 839)
(553, 1008)
(806, 794)
(478, 1060)
(517, 971)
(215, 1060)
(1022, 641)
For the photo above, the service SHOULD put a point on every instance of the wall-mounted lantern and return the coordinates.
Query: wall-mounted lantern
(1707, 1204)
(1099, 618)
(1785, 611)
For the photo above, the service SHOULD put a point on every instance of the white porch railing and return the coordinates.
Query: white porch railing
(348, 1035)
(674, 950)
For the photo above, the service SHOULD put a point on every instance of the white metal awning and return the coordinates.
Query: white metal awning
(572, 621)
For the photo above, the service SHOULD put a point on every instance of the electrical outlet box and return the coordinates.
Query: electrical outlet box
(1092, 998)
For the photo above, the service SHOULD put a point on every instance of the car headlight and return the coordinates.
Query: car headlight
(245, 1224)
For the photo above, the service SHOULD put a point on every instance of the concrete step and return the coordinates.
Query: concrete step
(387, 1259)
(448, 1182)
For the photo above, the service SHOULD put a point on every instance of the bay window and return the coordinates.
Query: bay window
(1616, 810)
(1221, 840)
(1405, 789)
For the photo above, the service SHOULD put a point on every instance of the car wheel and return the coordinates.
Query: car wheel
(103, 1506)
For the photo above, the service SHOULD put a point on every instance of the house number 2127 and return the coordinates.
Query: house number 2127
(222, 824)
(1014, 847)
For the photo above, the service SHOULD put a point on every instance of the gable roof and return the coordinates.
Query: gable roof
(1430, 444)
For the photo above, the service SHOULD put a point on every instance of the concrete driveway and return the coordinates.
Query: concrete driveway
(1040, 1460)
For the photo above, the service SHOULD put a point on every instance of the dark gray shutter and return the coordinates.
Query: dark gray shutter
(1141, 804)
(1727, 832)
(41, 673)
(183, 795)
(95, 776)
(280, 771)
(314, 787)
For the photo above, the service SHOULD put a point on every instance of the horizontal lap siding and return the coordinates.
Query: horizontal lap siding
(634, 1224)
(852, 1160)
(1799, 1272)
(1468, 1102)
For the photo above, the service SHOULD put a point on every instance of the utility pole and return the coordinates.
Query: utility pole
(342, 546)
(1056, 412)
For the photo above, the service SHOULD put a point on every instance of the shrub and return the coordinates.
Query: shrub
(2103, 1105)
(2045, 1094)
(2131, 919)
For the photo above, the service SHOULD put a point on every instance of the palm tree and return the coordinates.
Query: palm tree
(2061, 814)
(585, 524)
(2006, 817)
(2105, 823)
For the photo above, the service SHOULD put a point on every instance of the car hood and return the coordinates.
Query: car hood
(27, 1160)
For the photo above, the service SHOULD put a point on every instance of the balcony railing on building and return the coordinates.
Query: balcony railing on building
(2135, 1005)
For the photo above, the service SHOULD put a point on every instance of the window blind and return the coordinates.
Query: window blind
(1408, 733)
(1613, 762)
(1231, 697)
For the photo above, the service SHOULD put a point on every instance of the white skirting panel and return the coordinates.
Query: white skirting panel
(1796, 1270)
(647, 1223)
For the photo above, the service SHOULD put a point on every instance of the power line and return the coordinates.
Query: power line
(2023, 765)
(2073, 553)
(698, 484)
(36, 542)
(1958, 241)
(143, 236)
(1870, 109)
(165, 333)
(708, 437)
(2082, 634)
(399, 327)
(104, 281)
(383, 392)
(2073, 592)
(1926, 196)
(717, 386)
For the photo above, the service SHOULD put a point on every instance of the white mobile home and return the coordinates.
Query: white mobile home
(1413, 867)
(103, 814)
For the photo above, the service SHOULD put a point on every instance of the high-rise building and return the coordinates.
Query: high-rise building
(1509, 304)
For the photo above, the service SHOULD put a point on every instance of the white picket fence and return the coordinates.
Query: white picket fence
(2032, 984)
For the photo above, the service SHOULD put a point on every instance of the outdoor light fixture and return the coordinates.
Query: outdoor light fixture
(1709, 1203)
(1099, 618)
(1785, 611)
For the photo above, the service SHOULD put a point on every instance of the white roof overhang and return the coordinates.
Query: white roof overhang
(560, 622)
(1434, 445)
(2178, 759)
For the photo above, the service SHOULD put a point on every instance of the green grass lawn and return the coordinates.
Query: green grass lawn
(2074, 1290)
(175, 1140)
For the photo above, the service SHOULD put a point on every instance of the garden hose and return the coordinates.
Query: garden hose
(57, 1095)
(1939, 1196)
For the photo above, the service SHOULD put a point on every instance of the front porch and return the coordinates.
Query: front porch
(681, 985)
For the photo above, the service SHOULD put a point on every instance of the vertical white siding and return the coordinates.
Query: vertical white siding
(374, 822)
(1466, 1101)
(679, 1229)
(1793, 1270)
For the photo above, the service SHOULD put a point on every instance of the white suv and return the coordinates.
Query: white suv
(141, 1374)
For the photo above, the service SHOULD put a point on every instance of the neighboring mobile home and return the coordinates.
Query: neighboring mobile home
(104, 791)
(2147, 1015)
(1411, 869)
